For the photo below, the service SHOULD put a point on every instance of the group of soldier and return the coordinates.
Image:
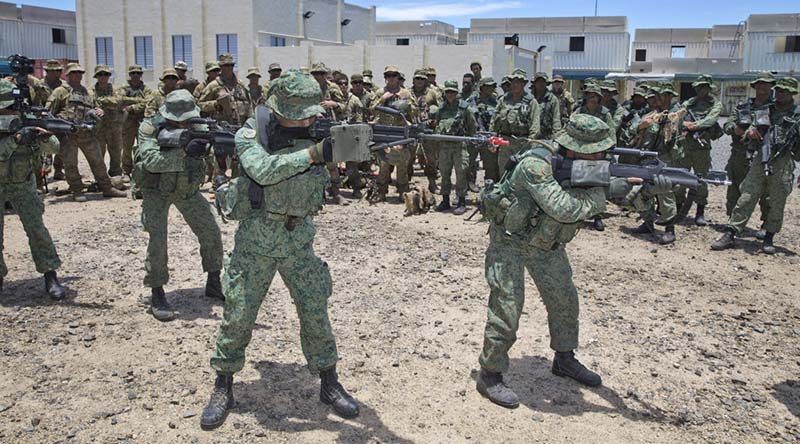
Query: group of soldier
(280, 177)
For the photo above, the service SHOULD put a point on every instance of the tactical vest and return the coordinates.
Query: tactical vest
(453, 125)
(78, 105)
(548, 105)
(515, 118)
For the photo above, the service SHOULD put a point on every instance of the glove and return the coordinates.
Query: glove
(618, 188)
(322, 152)
(660, 185)
(197, 148)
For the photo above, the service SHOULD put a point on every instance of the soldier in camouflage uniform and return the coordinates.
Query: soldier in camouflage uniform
(51, 81)
(276, 234)
(428, 155)
(565, 99)
(430, 73)
(693, 150)
(455, 118)
(393, 96)
(516, 118)
(109, 129)
(467, 86)
(358, 90)
(531, 220)
(333, 104)
(134, 96)
(774, 179)
(549, 107)
(632, 112)
(483, 106)
(258, 93)
(169, 83)
(19, 157)
(368, 83)
(185, 82)
(212, 72)
(505, 84)
(608, 88)
(172, 176)
(354, 112)
(73, 102)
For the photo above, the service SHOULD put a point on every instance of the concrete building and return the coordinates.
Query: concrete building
(157, 33)
(772, 43)
(38, 33)
(413, 32)
(715, 50)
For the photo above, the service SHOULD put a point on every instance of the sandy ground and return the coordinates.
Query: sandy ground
(693, 345)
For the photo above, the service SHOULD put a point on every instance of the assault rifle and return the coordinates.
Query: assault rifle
(219, 135)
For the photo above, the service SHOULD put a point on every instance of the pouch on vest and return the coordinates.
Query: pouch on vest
(232, 198)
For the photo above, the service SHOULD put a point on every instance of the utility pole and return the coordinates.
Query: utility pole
(595, 8)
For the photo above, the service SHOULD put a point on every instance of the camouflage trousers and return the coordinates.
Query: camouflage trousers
(426, 153)
(398, 159)
(196, 212)
(130, 129)
(776, 187)
(737, 167)
(453, 157)
(247, 279)
(109, 136)
(505, 267)
(472, 162)
(86, 143)
(490, 167)
(29, 208)
(697, 158)
(354, 170)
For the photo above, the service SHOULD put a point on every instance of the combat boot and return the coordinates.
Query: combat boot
(333, 394)
(220, 403)
(669, 235)
(357, 194)
(432, 187)
(598, 224)
(59, 175)
(699, 217)
(725, 241)
(444, 205)
(159, 307)
(492, 387)
(565, 364)
(78, 197)
(768, 247)
(213, 286)
(645, 228)
(461, 206)
(473, 187)
(683, 211)
(53, 287)
(113, 192)
(761, 233)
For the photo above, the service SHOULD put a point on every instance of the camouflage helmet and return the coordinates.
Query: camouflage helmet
(702, 79)
(5, 93)
(788, 84)
(586, 134)
(295, 96)
(639, 91)
(225, 59)
(450, 85)
(179, 105)
(764, 77)
(357, 78)
(101, 69)
(53, 65)
(487, 81)
(518, 74)
(608, 85)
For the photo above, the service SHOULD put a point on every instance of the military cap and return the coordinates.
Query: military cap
(295, 95)
(274, 66)
(764, 77)
(592, 88)
(5, 91)
(356, 78)
(211, 66)
(53, 65)
(391, 68)
(225, 59)
(169, 72)
(608, 85)
(179, 105)
(558, 78)
(420, 74)
(253, 71)
(74, 67)
(518, 74)
(666, 88)
(319, 67)
(487, 81)
(543, 76)
(133, 69)
(450, 85)
(702, 79)
(181, 65)
(475, 62)
(586, 134)
(101, 69)
(788, 84)
(366, 73)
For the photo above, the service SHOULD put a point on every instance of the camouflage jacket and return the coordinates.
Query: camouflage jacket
(41, 91)
(136, 97)
(565, 105)
(483, 109)
(739, 144)
(517, 118)
(235, 110)
(171, 166)
(258, 96)
(402, 100)
(155, 102)
(629, 122)
(73, 104)
(707, 113)
(550, 115)
(331, 91)
(108, 100)
(456, 120)
(425, 99)
(353, 110)
(366, 99)
(19, 162)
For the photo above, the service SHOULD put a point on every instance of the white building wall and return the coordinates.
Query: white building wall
(663, 50)
(759, 53)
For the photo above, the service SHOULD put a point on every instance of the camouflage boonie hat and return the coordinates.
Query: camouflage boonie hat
(518, 74)
(181, 65)
(608, 85)
(592, 88)
(53, 65)
(179, 105)
(487, 81)
(253, 72)
(702, 79)
(420, 74)
(639, 92)
(5, 92)
(543, 76)
(356, 78)
(366, 73)
(133, 69)
(225, 59)
(589, 80)
(651, 92)
(402, 75)
(391, 68)
(212, 66)
(319, 67)
(666, 88)
(764, 77)
(274, 66)
(295, 96)
(430, 71)
(169, 72)
(101, 69)
(367, 80)
(585, 134)
(505, 80)
(74, 67)
(558, 78)
(788, 84)
(450, 85)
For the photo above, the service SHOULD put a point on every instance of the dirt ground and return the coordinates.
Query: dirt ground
(693, 345)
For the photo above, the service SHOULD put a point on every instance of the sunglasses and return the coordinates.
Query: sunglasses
(390, 75)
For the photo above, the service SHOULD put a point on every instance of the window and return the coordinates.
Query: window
(576, 44)
(104, 51)
(641, 55)
(59, 35)
(182, 49)
(792, 43)
(402, 42)
(277, 41)
(143, 51)
(226, 43)
(678, 52)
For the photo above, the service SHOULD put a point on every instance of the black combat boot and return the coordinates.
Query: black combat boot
(221, 401)
(761, 233)
(213, 286)
(565, 364)
(645, 228)
(461, 207)
(725, 241)
(669, 235)
(333, 394)
(598, 224)
(444, 205)
(683, 210)
(159, 307)
(767, 247)
(53, 287)
(700, 218)
(492, 387)
(357, 194)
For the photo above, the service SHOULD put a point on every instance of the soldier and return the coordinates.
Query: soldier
(109, 130)
(51, 81)
(212, 72)
(609, 89)
(530, 233)
(277, 235)
(693, 151)
(72, 102)
(333, 104)
(632, 112)
(185, 82)
(169, 83)
(477, 71)
(358, 90)
(483, 106)
(453, 118)
(173, 177)
(274, 70)
(430, 73)
(516, 118)
(19, 154)
(549, 108)
(368, 83)
(393, 96)
(354, 112)
(133, 97)
(565, 99)
(258, 93)
(467, 86)
(505, 84)
(425, 98)
(773, 178)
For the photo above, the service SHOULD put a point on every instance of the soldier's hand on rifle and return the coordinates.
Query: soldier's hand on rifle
(99, 112)
(197, 148)
(28, 135)
(321, 152)
(753, 134)
(691, 126)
